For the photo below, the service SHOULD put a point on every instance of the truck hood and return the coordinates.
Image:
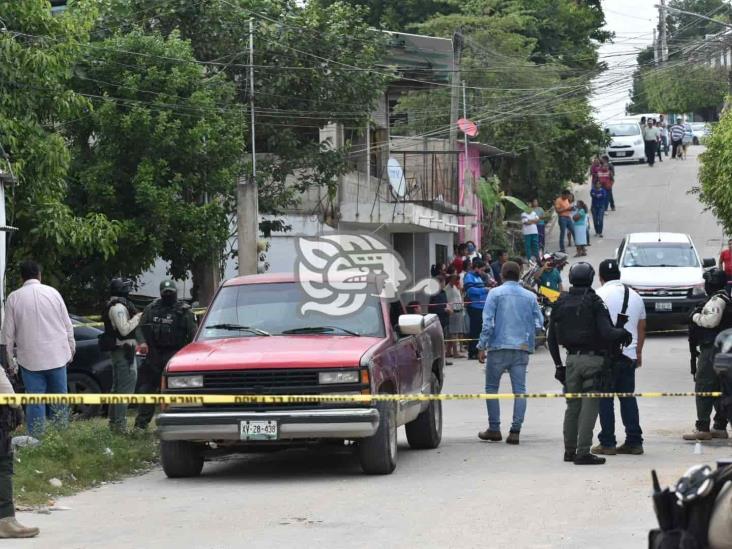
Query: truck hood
(661, 277)
(245, 353)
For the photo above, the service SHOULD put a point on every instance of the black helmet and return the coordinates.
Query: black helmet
(581, 275)
(120, 287)
(714, 280)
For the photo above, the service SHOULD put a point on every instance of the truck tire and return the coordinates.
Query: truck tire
(425, 432)
(181, 458)
(378, 453)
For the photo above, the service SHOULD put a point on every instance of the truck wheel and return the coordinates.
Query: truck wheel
(378, 453)
(425, 432)
(181, 458)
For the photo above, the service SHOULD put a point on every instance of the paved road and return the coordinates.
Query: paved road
(465, 494)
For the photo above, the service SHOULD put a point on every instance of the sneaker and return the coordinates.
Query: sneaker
(630, 450)
(11, 528)
(569, 456)
(492, 436)
(604, 450)
(719, 433)
(588, 459)
(512, 438)
(698, 435)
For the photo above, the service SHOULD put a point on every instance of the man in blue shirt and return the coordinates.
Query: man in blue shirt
(510, 319)
(475, 294)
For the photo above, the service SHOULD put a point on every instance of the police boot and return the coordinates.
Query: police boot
(11, 528)
(569, 455)
(588, 459)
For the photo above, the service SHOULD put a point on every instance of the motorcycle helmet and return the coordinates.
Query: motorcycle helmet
(581, 275)
(120, 287)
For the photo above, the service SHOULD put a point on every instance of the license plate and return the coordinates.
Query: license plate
(258, 430)
(664, 307)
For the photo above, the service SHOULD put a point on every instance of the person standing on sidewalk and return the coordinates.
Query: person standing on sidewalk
(563, 207)
(511, 318)
(706, 322)
(677, 135)
(39, 338)
(664, 133)
(476, 292)
(530, 230)
(581, 323)
(599, 204)
(541, 225)
(622, 300)
(120, 319)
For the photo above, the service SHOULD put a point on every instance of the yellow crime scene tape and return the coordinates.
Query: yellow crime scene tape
(182, 399)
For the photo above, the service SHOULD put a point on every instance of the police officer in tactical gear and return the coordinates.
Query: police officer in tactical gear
(120, 319)
(581, 323)
(707, 320)
(167, 326)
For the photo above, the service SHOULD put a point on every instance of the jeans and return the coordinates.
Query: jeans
(124, 379)
(476, 326)
(598, 218)
(51, 381)
(514, 362)
(531, 245)
(565, 224)
(664, 144)
(623, 382)
(610, 199)
(675, 149)
(650, 147)
(542, 233)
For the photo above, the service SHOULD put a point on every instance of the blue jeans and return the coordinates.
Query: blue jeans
(531, 245)
(624, 382)
(45, 381)
(565, 224)
(515, 363)
(598, 218)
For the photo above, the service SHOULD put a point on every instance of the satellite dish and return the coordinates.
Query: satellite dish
(396, 177)
(468, 127)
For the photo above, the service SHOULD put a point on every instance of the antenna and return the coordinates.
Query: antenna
(658, 226)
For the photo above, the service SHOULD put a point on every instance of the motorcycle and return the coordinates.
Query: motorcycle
(545, 296)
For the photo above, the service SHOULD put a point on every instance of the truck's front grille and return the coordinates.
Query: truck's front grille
(673, 293)
(261, 381)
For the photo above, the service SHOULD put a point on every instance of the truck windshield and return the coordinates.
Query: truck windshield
(660, 254)
(622, 130)
(255, 310)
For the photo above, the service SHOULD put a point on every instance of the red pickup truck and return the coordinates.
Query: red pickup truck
(254, 341)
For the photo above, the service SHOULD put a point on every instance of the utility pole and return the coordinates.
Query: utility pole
(662, 30)
(247, 210)
(457, 48)
(467, 176)
(655, 48)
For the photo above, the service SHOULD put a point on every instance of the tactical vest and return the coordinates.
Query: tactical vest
(109, 330)
(574, 318)
(706, 336)
(166, 326)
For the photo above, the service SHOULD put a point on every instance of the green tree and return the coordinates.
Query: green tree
(398, 15)
(159, 152)
(691, 89)
(715, 174)
(312, 68)
(37, 55)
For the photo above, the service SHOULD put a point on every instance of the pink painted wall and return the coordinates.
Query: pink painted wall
(470, 201)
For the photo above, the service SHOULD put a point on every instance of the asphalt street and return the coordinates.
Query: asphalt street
(467, 493)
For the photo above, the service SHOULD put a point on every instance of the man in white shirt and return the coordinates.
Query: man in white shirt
(39, 338)
(529, 227)
(120, 321)
(614, 293)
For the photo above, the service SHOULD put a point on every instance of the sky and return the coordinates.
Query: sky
(633, 22)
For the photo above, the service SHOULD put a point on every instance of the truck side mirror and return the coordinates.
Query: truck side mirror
(708, 262)
(414, 324)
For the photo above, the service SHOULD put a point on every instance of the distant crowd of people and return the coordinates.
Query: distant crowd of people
(659, 137)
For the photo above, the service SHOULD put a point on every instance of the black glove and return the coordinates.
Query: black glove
(626, 339)
(560, 374)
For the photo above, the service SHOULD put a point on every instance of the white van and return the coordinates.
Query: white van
(627, 141)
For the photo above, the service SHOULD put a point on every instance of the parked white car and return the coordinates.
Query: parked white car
(627, 142)
(699, 132)
(665, 269)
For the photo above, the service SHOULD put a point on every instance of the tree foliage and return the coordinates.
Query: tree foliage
(694, 89)
(715, 175)
(160, 153)
(37, 55)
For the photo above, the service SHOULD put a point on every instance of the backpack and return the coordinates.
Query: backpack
(108, 338)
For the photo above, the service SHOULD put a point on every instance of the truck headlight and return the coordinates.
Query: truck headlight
(637, 142)
(698, 290)
(327, 378)
(185, 382)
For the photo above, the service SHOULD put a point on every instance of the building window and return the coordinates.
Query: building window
(440, 254)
